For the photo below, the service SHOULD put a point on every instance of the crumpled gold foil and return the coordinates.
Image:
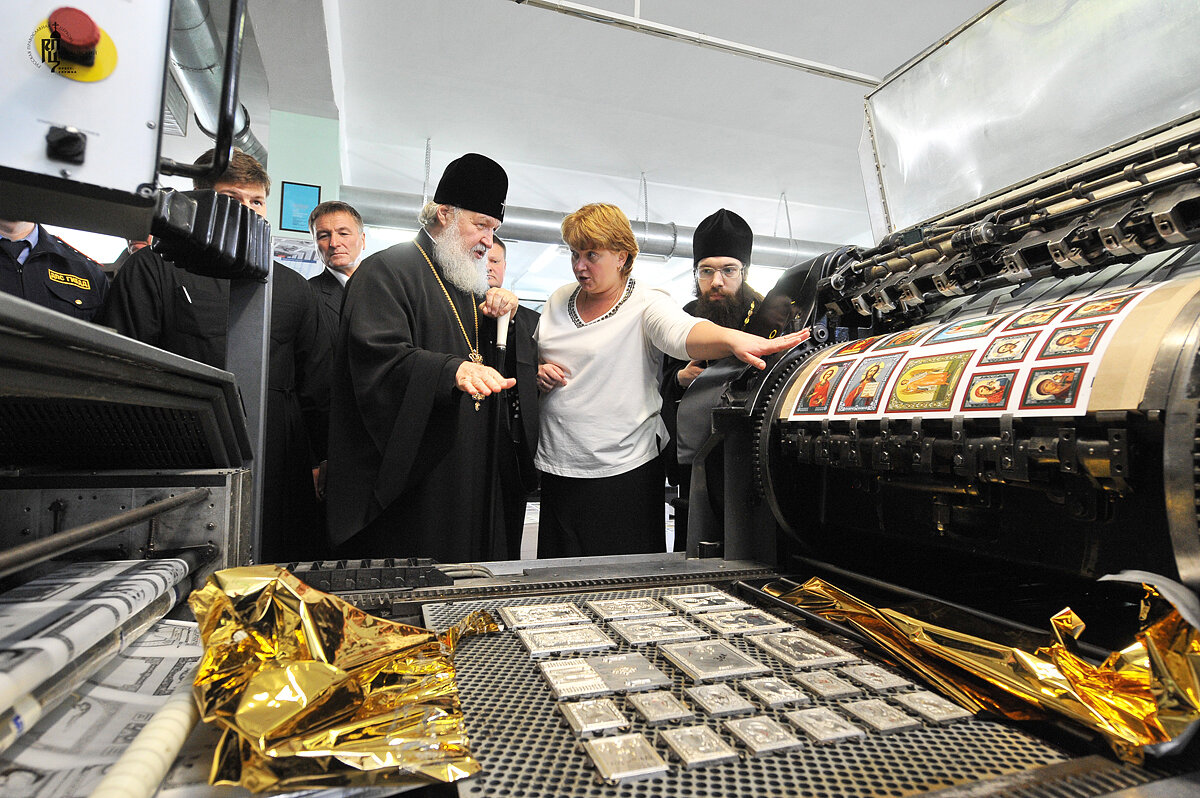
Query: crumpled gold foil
(312, 692)
(1144, 695)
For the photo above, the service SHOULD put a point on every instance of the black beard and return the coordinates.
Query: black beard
(728, 312)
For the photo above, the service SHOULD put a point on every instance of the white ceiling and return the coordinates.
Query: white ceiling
(578, 112)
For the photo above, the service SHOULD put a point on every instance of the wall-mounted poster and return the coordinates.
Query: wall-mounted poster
(1035, 318)
(989, 391)
(296, 202)
(1053, 387)
(1103, 306)
(299, 253)
(865, 387)
(962, 330)
(1008, 349)
(1078, 340)
(818, 394)
(928, 383)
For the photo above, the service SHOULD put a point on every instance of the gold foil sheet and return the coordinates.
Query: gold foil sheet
(1144, 695)
(312, 692)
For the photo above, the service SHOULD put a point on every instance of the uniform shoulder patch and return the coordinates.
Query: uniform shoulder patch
(71, 249)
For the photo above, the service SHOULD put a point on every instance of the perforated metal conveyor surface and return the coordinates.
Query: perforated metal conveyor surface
(527, 749)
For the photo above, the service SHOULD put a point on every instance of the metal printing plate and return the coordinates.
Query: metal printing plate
(876, 678)
(629, 673)
(612, 609)
(628, 757)
(593, 716)
(729, 623)
(710, 660)
(762, 735)
(824, 726)
(698, 746)
(573, 678)
(802, 649)
(713, 601)
(533, 615)
(660, 706)
(773, 691)
(826, 684)
(881, 716)
(719, 700)
(932, 707)
(564, 639)
(644, 631)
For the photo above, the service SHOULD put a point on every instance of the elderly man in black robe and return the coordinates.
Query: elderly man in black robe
(411, 467)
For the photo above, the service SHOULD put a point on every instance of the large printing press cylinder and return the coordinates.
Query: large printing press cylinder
(1056, 434)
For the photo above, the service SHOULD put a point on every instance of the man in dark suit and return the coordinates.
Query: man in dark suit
(338, 230)
(519, 426)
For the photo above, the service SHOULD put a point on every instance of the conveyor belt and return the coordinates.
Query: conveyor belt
(528, 750)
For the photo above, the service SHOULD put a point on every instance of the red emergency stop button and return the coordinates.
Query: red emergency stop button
(78, 36)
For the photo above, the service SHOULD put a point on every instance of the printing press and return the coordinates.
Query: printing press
(996, 407)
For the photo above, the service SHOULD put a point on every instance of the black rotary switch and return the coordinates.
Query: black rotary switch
(67, 144)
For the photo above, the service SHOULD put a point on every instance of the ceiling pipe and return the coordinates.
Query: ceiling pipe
(395, 209)
(639, 25)
(196, 56)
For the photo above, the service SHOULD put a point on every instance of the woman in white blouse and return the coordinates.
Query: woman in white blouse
(600, 344)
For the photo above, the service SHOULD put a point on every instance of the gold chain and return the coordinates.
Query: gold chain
(475, 356)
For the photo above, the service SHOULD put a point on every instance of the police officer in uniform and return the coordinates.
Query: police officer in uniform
(41, 267)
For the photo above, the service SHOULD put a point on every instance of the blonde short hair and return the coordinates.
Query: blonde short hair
(601, 226)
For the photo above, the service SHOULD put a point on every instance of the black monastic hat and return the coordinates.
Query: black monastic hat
(474, 182)
(723, 235)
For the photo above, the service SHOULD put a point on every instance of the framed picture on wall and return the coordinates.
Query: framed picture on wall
(296, 202)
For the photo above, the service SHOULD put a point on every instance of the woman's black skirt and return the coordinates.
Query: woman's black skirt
(583, 517)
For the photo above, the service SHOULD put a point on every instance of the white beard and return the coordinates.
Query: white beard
(458, 264)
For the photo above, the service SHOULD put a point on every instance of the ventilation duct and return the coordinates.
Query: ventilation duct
(175, 109)
(395, 209)
(196, 63)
